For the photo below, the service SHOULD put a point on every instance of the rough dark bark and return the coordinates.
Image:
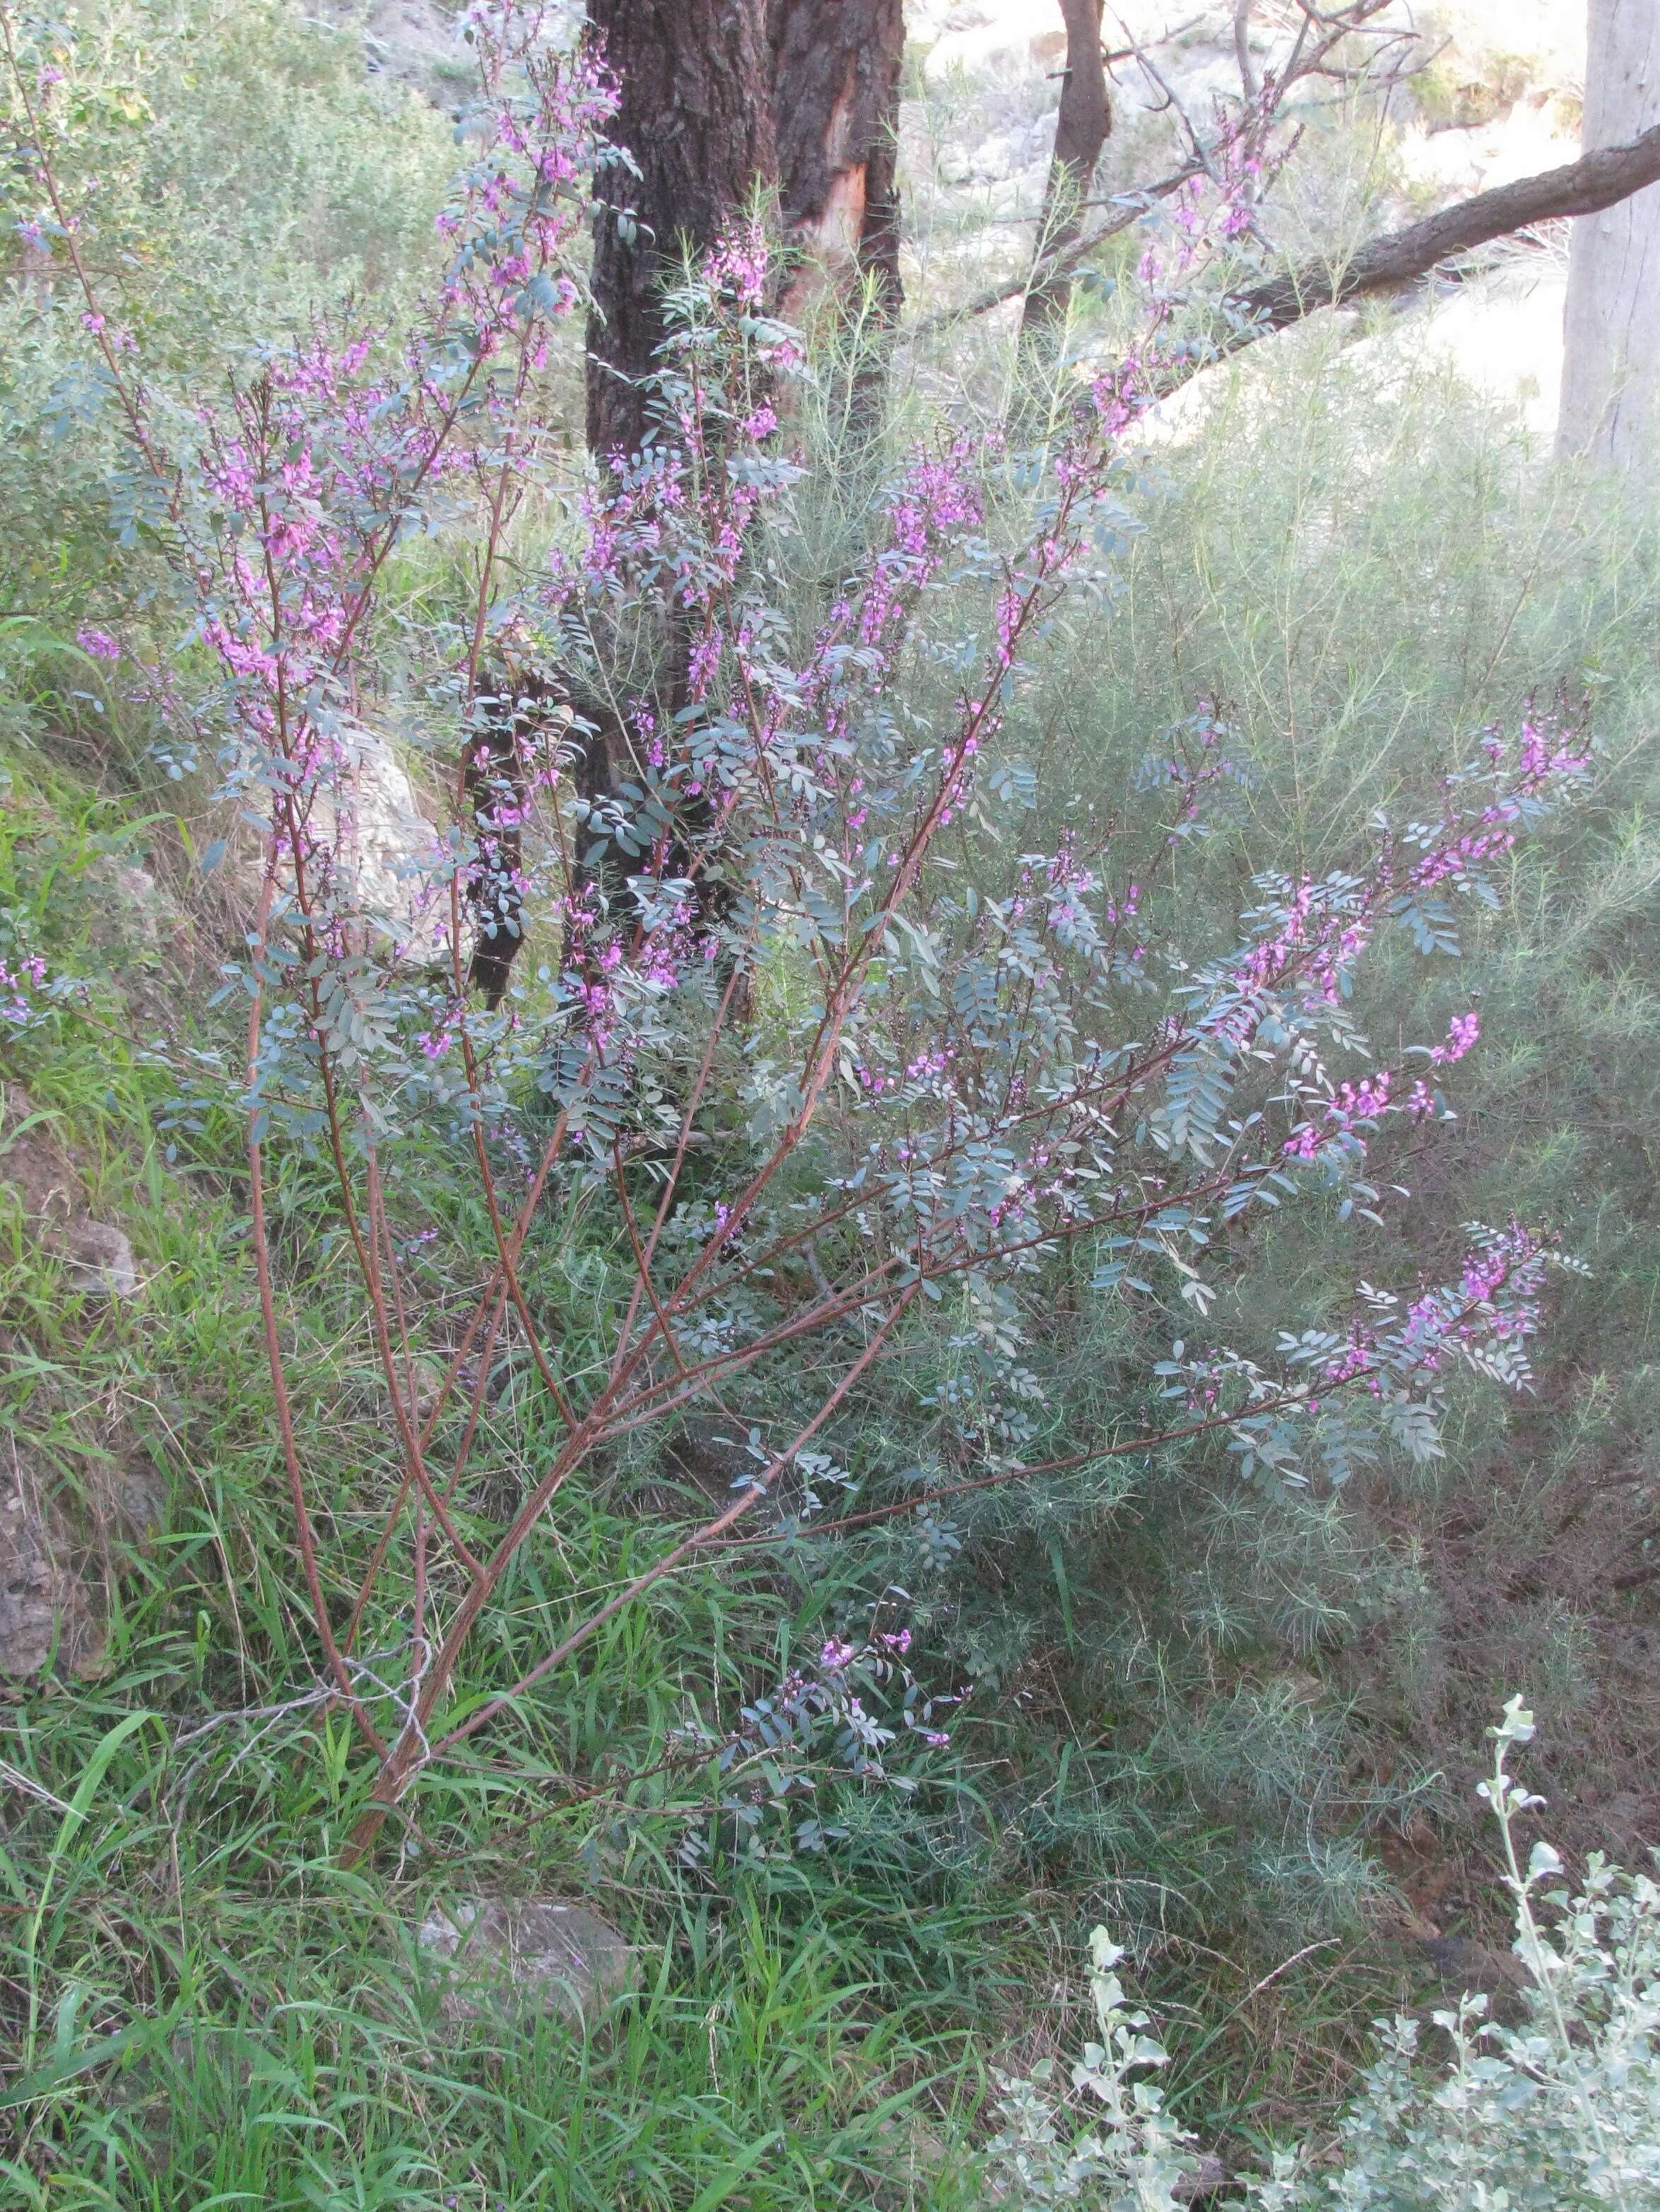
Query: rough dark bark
(536, 723)
(695, 114)
(717, 96)
(496, 779)
(524, 722)
(835, 74)
(1080, 132)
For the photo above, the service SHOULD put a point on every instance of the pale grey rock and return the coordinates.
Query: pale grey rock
(49, 1614)
(133, 916)
(518, 1956)
(100, 1260)
(44, 1182)
(1202, 2179)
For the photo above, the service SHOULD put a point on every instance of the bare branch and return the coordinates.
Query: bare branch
(1132, 207)
(1061, 248)
(1597, 180)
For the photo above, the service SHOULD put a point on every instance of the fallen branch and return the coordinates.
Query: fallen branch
(1597, 180)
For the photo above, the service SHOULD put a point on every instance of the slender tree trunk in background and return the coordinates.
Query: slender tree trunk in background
(1080, 132)
(1611, 329)
(695, 114)
(836, 73)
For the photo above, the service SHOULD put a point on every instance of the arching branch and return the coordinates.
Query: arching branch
(1597, 180)
(1085, 120)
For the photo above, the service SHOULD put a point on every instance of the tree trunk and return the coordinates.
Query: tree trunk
(1611, 329)
(835, 70)
(717, 96)
(1080, 132)
(802, 95)
(697, 118)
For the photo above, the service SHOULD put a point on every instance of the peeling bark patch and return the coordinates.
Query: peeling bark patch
(836, 108)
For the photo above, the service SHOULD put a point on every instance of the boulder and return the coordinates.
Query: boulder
(47, 1185)
(1202, 2179)
(387, 864)
(133, 917)
(1476, 1969)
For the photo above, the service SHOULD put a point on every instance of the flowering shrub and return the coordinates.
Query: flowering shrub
(29, 989)
(856, 1715)
(18, 987)
(945, 1063)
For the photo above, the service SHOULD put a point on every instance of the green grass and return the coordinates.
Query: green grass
(292, 2055)
(1200, 1714)
(203, 2008)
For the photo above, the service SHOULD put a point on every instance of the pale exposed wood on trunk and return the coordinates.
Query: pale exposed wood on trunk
(835, 69)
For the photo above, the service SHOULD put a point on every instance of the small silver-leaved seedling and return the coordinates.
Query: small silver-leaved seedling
(1560, 2109)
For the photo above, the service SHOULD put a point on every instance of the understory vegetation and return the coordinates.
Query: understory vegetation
(983, 1661)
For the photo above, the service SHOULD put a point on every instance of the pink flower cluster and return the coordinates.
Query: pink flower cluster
(1491, 1311)
(1356, 1104)
(19, 979)
(1461, 1033)
(741, 266)
(310, 471)
(1496, 1298)
(1199, 229)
